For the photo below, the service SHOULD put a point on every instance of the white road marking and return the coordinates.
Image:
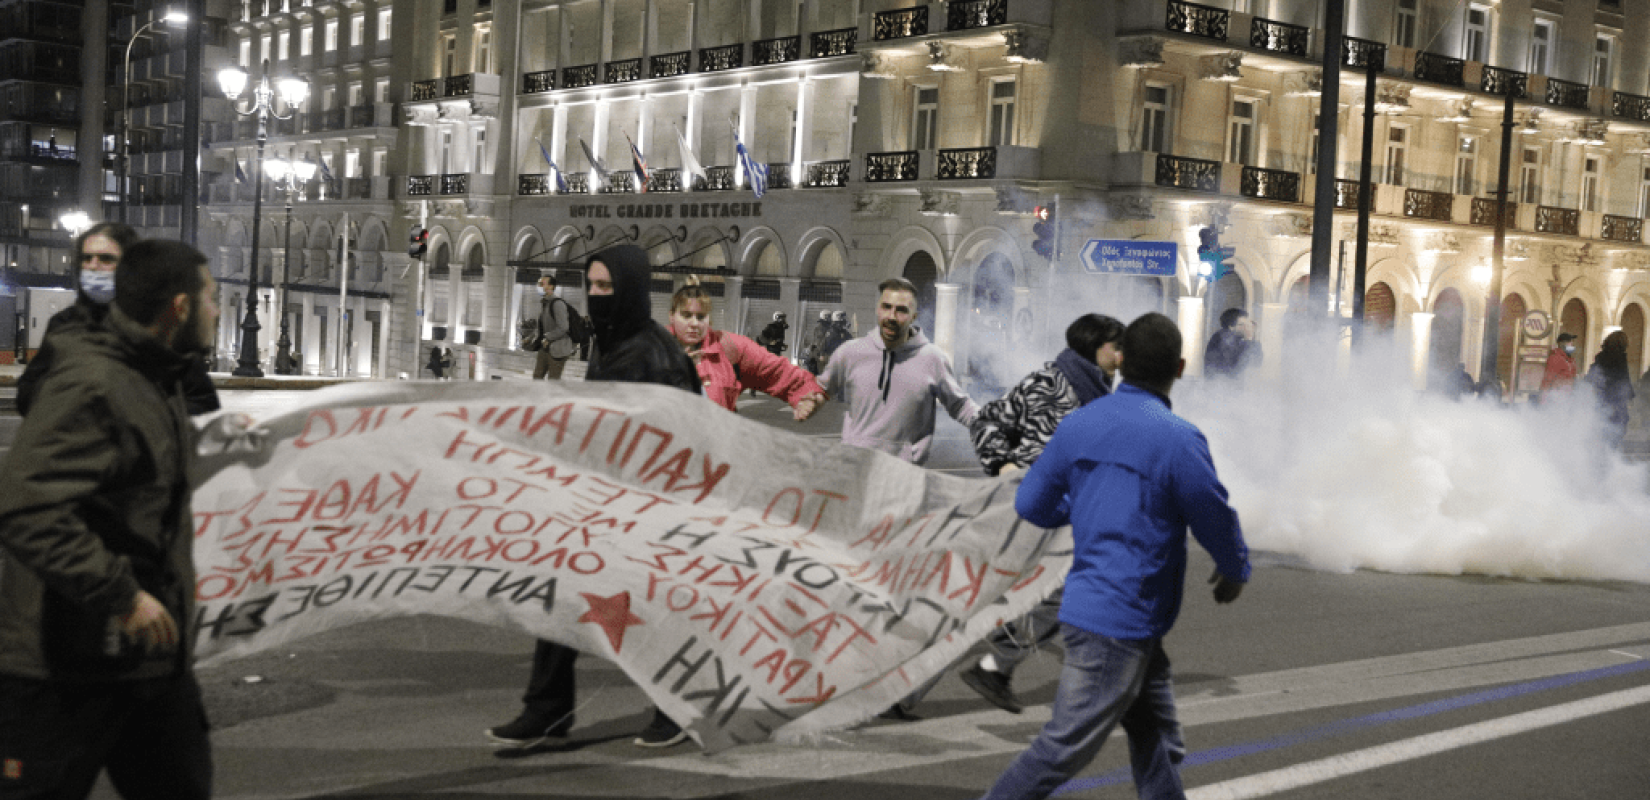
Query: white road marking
(1344, 764)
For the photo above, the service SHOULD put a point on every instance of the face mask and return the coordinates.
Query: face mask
(1569, 349)
(602, 308)
(98, 285)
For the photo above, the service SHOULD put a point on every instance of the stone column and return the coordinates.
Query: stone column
(1271, 340)
(945, 318)
(1420, 325)
(1191, 334)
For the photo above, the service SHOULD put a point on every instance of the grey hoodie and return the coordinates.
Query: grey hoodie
(891, 395)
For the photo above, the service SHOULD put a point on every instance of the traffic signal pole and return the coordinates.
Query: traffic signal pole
(1323, 204)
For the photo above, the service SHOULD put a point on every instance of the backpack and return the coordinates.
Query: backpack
(578, 325)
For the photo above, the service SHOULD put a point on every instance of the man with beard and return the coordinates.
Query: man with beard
(96, 539)
(628, 347)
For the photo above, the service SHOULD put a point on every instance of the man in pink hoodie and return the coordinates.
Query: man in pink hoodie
(892, 379)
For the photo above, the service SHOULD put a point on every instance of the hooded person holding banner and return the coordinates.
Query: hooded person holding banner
(629, 347)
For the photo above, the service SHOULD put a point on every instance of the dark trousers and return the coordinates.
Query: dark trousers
(151, 736)
(550, 688)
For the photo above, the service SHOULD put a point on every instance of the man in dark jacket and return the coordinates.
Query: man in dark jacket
(629, 347)
(1233, 348)
(97, 579)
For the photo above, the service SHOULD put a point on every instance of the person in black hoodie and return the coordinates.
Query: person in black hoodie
(98, 252)
(1613, 385)
(628, 346)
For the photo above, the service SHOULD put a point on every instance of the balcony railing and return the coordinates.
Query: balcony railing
(362, 116)
(460, 85)
(776, 51)
(624, 71)
(965, 14)
(455, 183)
(578, 77)
(896, 166)
(827, 174)
(1188, 173)
(577, 182)
(716, 59)
(1621, 229)
(528, 184)
(670, 65)
(1278, 37)
(779, 176)
(1428, 205)
(1483, 212)
(1207, 22)
(718, 179)
(900, 23)
(1557, 220)
(1270, 184)
(621, 182)
(664, 180)
(332, 119)
(1363, 53)
(535, 82)
(1440, 69)
(1504, 81)
(420, 185)
(825, 44)
(967, 163)
(1346, 195)
(1630, 106)
(358, 188)
(425, 90)
(1567, 94)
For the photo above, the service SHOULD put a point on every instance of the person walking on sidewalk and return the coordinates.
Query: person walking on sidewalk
(1009, 434)
(1129, 477)
(555, 338)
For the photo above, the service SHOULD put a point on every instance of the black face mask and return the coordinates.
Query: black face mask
(602, 308)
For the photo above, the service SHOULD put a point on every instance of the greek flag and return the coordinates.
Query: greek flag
(596, 164)
(755, 174)
(240, 174)
(638, 163)
(561, 183)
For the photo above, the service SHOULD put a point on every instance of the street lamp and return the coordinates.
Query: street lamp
(74, 222)
(176, 18)
(288, 175)
(293, 90)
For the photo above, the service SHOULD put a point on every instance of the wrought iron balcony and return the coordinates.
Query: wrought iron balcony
(1557, 220)
(900, 23)
(962, 15)
(827, 174)
(670, 65)
(358, 188)
(362, 116)
(420, 185)
(1270, 184)
(664, 180)
(535, 82)
(716, 59)
(1346, 195)
(578, 77)
(528, 184)
(455, 183)
(895, 166)
(1621, 229)
(332, 119)
(775, 51)
(619, 182)
(624, 71)
(1483, 212)
(825, 44)
(718, 179)
(1567, 94)
(779, 176)
(1278, 37)
(1363, 53)
(577, 183)
(1440, 69)
(1188, 173)
(460, 85)
(1504, 81)
(1630, 106)
(967, 163)
(425, 90)
(1207, 22)
(1435, 206)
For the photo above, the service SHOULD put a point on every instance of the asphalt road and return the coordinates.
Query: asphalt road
(1312, 685)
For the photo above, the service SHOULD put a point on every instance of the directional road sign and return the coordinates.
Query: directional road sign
(1129, 257)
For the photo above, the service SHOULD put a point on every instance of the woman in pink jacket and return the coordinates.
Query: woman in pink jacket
(729, 363)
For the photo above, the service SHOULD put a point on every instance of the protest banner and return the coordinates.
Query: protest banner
(755, 583)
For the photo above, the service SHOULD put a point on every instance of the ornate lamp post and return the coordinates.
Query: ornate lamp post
(293, 90)
(172, 18)
(291, 176)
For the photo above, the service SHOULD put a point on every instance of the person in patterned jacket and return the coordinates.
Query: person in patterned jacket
(1009, 434)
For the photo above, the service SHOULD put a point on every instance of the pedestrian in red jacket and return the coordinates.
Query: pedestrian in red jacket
(729, 363)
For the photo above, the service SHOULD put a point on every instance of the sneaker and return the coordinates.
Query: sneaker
(530, 729)
(993, 686)
(661, 732)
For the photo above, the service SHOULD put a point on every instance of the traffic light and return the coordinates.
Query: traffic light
(1043, 229)
(418, 242)
(1212, 255)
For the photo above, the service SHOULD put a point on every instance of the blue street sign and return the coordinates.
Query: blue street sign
(1129, 257)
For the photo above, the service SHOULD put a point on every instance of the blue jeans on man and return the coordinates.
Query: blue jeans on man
(1105, 681)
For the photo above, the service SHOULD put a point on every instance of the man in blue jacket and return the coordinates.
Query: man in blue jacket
(1129, 477)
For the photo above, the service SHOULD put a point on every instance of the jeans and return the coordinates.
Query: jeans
(1105, 681)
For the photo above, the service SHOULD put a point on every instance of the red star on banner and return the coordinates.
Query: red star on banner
(613, 614)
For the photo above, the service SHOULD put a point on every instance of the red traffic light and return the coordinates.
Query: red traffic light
(418, 241)
(1043, 212)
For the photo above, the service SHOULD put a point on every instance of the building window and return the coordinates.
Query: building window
(478, 158)
(329, 98)
(1466, 165)
(1154, 119)
(1240, 127)
(1603, 48)
(380, 163)
(1397, 149)
(1530, 176)
(306, 40)
(449, 59)
(484, 48)
(446, 152)
(326, 173)
(332, 35)
(381, 90)
(1476, 45)
(246, 53)
(925, 118)
(1644, 191)
(1404, 25)
(358, 30)
(1541, 45)
(383, 24)
(1590, 195)
(355, 94)
(283, 46)
(1312, 147)
(263, 49)
(1001, 120)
